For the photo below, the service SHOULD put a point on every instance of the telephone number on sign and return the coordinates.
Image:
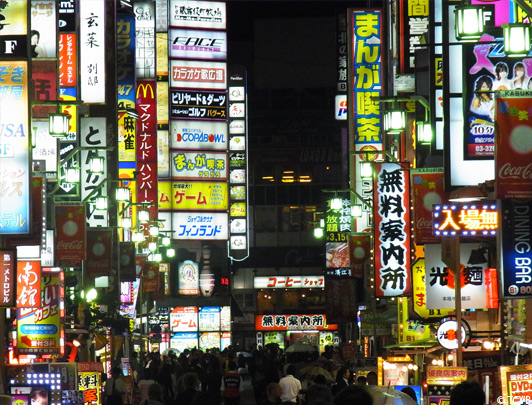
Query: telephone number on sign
(484, 148)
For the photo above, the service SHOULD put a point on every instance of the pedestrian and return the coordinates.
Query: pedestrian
(155, 395)
(342, 379)
(353, 395)
(290, 386)
(319, 393)
(372, 378)
(467, 393)
(273, 394)
(144, 385)
(410, 392)
(232, 385)
(114, 388)
(191, 384)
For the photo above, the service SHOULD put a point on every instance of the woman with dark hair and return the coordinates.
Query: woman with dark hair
(353, 395)
(483, 103)
(501, 77)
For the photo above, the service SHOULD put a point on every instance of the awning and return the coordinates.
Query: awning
(423, 346)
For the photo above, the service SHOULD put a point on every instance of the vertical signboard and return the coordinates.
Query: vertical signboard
(93, 140)
(238, 174)
(337, 228)
(43, 35)
(415, 17)
(7, 278)
(392, 229)
(14, 153)
(366, 58)
(92, 50)
(39, 329)
(28, 284)
(145, 39)
(14, 28)
(513, 154)
(125, 36)
(516, 252)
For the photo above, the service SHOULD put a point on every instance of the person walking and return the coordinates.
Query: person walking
(232, 385)
(290, 386)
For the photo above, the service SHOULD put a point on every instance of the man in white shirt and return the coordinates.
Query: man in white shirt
(290, 386)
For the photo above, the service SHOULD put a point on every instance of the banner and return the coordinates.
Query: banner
(28, 284)
(359, 253)
(427, 189)
(7, 278)
(127, 261)
(392, 229)
(100, 244)
(513, 154)
(70, 235)
(150, 277)
(292, 322)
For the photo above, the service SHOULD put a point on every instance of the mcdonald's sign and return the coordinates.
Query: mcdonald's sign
(146, 88)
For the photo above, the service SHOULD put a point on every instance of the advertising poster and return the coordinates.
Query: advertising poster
(514, 146)
(14, 154)
(68, 60)
(439, 279)
(39, 329)
(184, 319)
(182, 341)
(43, 35)
(209, 319)
(516, 383)
(209, 340)
(427, 189)
(516, 231)
(392, 229)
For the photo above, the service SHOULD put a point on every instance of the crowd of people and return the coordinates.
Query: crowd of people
(213, 377)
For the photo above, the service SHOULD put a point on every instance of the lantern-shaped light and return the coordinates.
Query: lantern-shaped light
(123, 194)
(318, 232)
(366, 170)
(336, 203)
(137, 236)
(58, 125)
(469, 22)
(96, 164)
(72, 174)
(101, 203)
(356, 210)
(394, 121)
(144, 216)
(516, 39)
(424, 132)
(126, 222)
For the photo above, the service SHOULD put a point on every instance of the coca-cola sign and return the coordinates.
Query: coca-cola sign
(513, 148)
(70, 235)
(99, 252)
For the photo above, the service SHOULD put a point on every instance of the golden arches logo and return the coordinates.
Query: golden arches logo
(145, 88)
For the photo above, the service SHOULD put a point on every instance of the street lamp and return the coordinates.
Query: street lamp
(58, 125)
(394, 121)
(469, 24)
(516, 39)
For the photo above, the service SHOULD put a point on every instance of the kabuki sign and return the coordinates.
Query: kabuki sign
(392, 229)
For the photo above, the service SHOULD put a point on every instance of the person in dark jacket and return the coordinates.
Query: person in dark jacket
(342, 380)
(319, 392)
(232, 385)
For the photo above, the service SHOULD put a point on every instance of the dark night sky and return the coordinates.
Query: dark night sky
(287, 44)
